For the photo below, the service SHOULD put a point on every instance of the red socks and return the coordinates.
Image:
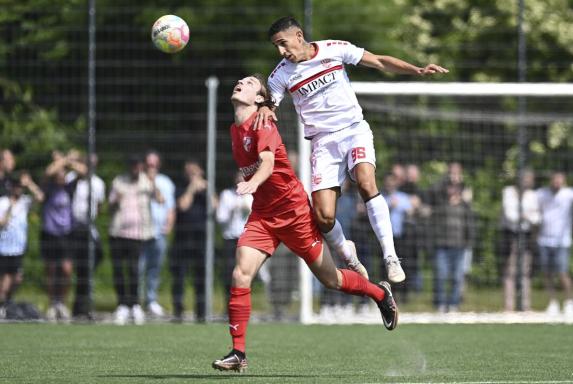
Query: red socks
(239, 313)
(354, 284)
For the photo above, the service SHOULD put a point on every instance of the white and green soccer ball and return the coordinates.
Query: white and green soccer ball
(170, 33)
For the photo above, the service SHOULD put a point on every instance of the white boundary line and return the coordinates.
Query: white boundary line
(373, 317)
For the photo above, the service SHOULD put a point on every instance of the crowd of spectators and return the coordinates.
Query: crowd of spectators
(152, 219)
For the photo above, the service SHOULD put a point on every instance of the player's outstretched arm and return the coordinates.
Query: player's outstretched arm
(264, 116)
(262, 174)
(395, 65)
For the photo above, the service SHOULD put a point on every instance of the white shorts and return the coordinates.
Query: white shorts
(335, 154)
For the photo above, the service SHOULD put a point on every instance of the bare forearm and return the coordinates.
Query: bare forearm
(264, 172)
(36, 192)
(395, 65)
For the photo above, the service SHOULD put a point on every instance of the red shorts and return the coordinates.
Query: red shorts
(296, 229)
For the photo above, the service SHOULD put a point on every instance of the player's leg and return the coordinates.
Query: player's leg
(328, 173)
(350, 282)
(362, 165)
(248, 262)
(302, 236)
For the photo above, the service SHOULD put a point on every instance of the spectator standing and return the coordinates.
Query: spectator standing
(414, 238)
(400, 207)
(56, 230)
(453, 225)
(131, 226)
(7, 165)
(232, 213)
(81, 309)
(512, 225)
(189, 243)
(556, 204)
(163, 216)
(14, 210)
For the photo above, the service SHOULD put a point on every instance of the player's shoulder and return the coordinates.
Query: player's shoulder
(279, 69)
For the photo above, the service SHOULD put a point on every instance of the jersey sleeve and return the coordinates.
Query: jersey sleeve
(268, 139)
(348, 52)
(276, 87)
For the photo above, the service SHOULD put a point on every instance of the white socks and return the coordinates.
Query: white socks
(337, 242)
(379, 216)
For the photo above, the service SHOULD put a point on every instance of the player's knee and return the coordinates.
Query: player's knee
(240, 278)
(367, 188)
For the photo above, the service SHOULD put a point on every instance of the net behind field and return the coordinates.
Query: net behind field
(149, 100)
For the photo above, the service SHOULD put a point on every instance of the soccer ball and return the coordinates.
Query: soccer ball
(170, 33)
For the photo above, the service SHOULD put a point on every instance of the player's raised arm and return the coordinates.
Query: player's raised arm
(394, 65)
(263, 172)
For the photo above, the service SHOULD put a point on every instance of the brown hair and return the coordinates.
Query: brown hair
(264, 92)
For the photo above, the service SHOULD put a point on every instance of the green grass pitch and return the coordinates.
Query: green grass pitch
(277, 353)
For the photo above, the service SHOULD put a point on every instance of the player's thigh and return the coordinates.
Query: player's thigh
(300, 233)
(325, 270)
(361, 151)
(324, 202)
(328, 162)
(248, 261)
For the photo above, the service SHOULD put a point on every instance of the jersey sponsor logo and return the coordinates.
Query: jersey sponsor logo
(250, 170)
(295, 77)
(316, 82)
(247, 141)
(358, 153)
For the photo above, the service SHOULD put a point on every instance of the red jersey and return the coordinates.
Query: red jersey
(282, 191)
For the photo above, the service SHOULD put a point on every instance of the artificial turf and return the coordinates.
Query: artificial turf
(279, 353)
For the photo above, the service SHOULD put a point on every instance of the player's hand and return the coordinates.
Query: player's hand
(245, 187)
(431, 69)
(264, 116)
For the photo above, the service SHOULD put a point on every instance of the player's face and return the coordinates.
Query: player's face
(289, 43)
(247, 91)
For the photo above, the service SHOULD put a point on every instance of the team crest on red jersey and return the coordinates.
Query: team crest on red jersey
(247, 141)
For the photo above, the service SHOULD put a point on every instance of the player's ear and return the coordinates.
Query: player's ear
(259, 99)
(300, 35)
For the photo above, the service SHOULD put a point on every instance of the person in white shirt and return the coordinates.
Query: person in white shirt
(163, 216)
(81, 309)
(232, 214)
(510, 223)
(554, 240)
(14, 209)
(342, 143)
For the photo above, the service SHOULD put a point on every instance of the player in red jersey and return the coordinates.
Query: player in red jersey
(281, 212)
(342, 143)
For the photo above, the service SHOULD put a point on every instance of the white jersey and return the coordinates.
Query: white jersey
(320, 88)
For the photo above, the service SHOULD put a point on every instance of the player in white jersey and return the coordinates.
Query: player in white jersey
(342, 142)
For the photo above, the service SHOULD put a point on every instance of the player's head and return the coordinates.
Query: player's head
(287, 36)
(252, 91)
